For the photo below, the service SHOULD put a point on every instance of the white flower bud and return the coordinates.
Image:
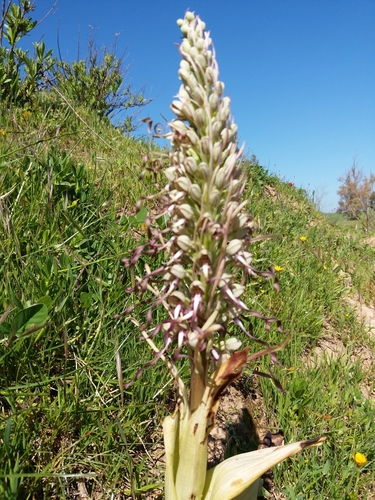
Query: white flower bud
(202, 61)
(183, 183)
(176, 298)
(215, 229)
(198, 95)
(200, 44)
(184, 28)
(194, 52)
(190, 164)
(186, 211)
(185, 65)
(200, 118)
(233, 128)
(184, 242)
(188, 112)
(176, 107)
(206, 145)
(216, 152)
(185, 46)
(235, 186)
(217, 128)
(191, 81)
(193, 138)
(183, 75)
(170, 173)
(179, 125)
(195, 192)
(220, 181)
(178, 270)
(219, 88)
(183, 95)
(223, 114)
(189, 16)
(229, 164)
(196, 287)
(238, 290)
(231, 344)
(213, 101)
(234, 247)
(231, 207)
(214, 197)
(204, 171)
(226, 102)
(211, 75)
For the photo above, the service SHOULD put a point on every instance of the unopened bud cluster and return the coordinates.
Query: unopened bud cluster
(209, 231)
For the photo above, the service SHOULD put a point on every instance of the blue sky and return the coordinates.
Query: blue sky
(300, 73)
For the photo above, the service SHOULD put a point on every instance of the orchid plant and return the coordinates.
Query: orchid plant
(208, 261)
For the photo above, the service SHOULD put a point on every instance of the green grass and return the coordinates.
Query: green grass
(68, 190)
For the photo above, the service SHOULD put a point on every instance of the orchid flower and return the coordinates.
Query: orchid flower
(208, 262)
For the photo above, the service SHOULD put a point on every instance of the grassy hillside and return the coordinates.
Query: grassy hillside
(68, 188)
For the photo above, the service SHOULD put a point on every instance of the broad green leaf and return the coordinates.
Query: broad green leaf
(85, 299)
(46, 300)
(31, 317)
(232, 478)
(5, 327)
(139, 218)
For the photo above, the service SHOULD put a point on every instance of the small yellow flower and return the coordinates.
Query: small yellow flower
(143, 226)
(73, 204)
(325, 267)
(26, 114)
(278, 268)
(303, 238)
(360, 459)
(2, 131)
(262, 291)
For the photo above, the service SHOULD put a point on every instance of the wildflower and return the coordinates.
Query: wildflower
(2, 132)
(278, 268)
(73, 204)
(360, 459)
(303, 238)
(207, 244)
(26, 114)
(290, 184)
